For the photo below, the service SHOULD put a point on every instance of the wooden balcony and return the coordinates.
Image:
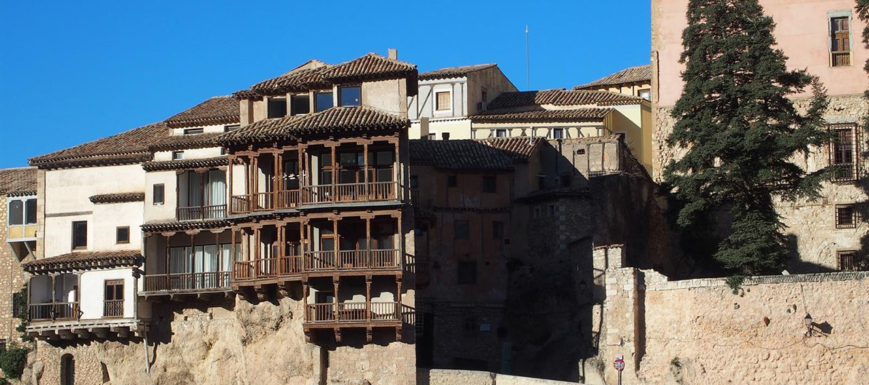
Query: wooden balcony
(265, 201)
(199, 213)
(54, 311)
(267, 268)
(346, 260)
(186, 282)
(113, 308)
(349, 193)
(330, 314)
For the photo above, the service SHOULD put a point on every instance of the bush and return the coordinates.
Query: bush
(735, 282)
(12, 361)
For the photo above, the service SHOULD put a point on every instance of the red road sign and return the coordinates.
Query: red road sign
(619, 364)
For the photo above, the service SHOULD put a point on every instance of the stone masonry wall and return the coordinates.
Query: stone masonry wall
(700, 332)
(11, 278)
(469, 377)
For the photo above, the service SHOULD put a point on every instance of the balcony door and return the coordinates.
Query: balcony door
(202, 195)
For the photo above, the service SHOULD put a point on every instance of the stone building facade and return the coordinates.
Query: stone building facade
(825, 234)
(18, 185)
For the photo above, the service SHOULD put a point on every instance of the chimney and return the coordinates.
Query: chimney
(392, 53)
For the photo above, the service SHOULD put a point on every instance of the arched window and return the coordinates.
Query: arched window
(67, 370)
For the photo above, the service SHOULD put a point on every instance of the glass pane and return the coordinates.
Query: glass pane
(347, 176)
(119, 291)
(277, 108)
(325, 159)
(30, 212)
(326, 177)
(323, 101)
(16, 212)
(351, 96)
(176, 260)
(384, 175)
(110, 293)
(327, 244)
(384, 158)
(301, 104)
(348, 158)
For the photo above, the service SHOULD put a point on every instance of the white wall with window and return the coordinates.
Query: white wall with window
(439, 100)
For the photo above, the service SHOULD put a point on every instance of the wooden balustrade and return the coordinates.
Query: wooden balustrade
(265, 201)
(288, 199)
(352, 260)
(349, 193)
(187, 281)
(268, 267)
(320, 312)
(385, 311)
(384, 259)
(240, 204)
(319, 260)
(198, 213)
(53, 311)
(113, 308)
(352, 312)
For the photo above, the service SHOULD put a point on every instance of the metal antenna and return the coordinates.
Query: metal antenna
(527, 62)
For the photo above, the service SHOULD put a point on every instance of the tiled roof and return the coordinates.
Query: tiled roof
(186, 225)
(299, 79)
(638, 74)
(217, 110)
(84, 260)
(459, 155)
(186, 142)
(561, 98)
(184, 164)
(118, 198)
(18, 181)
(453, 72)
(332, 120)
(125, 148)
(543, 116)
(369, 67)
(519, 149)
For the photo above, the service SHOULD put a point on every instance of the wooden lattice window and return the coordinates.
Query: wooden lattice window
(843, 152)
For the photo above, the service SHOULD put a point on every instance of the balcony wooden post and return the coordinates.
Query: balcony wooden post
(190, 272)
(168, 258)
(53, 311)
(335, 282)
(302, 248)
(232, 257)
(219, 251)
(256, 246)
(202, 205)
(29, 293)
(396, 165)
(308, 316)
(400, 242)
(365, 187)
(368, 242)
(398, 296)
(337, 245)
(254, 181)
(231, 161)
(277, 178)
(368, 298)
(334, 171)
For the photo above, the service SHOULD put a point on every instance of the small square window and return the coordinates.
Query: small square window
(277, 107)
(442, 101)
(848, 260)
(194, 131)
(158, 194)
(231, 127)
(467, 272)
(323, 101)
(177, 155)
(557, 133)
(460, 228)
(846, 217)
(645, 94)
(122, 235)
(501, 133)
(79, 235)
(452, 181)
(445, 136)
(350, 95)
(581, 151)
(497, 230)
(489, 185)
(301, 104)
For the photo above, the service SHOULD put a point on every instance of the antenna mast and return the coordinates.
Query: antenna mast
(527, 62)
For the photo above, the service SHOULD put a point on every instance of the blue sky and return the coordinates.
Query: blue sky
(72, 72)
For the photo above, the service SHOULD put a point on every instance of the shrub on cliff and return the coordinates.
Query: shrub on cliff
(741, 131)
(13, 360)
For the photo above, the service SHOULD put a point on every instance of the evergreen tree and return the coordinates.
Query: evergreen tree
(741, 131)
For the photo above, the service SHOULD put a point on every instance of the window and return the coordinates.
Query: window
(277, 107)
(846, 217)
(551, 210)
(848, 260)
(489, 185)
(301, 104)
(22, 212)
(414, 181)
(467, 272)
(484, 96)
(843, 153)
(194, 131)
(122, 235)
(442, 101)
(541, 181)
(460, 229)
(114, 299)
(452, 181)
(79, 235)
(158, 194)
(557, 133)
(231, 127)
(177, 155)
(445, 136)
(645, 94)
(350, 96)
(501, 133)
(67, 370)
(840, 41)
(581, 151)
(497, 230)
(322, 101)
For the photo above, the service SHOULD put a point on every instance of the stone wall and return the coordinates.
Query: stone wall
(701, 332)
(11, 276)
(228, 341)
(470, 377)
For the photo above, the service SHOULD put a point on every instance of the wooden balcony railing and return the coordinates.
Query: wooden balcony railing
(319, 313)
(349, 193)
(187, 281)
(198, 213)
(53, 311)
(113, 308)
(265, 201)
(352, 260)
(268, 267)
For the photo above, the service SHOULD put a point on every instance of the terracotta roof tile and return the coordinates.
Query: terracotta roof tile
(517, 148)
(18, 181)
(186, 164)
(544, 116)
(453, 72)
(125, 148)
(332, 120)
(459, 155)
(369, 67)
(83, 261)
(638, 74)
(186, 225)
(561, 98)
(118, 198)
(217, 110)
(186, 142)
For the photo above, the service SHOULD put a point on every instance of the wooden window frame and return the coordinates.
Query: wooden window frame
(275, 100)
(231, 127)
(118, 230)
(452, 181)
(437, 104)
(854, 217)
(74, 245)
(158, 187)
(114, 283)
(341, 91)
(853, 262)
(177, 155)
(841, 57)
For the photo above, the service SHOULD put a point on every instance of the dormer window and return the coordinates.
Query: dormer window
(177, 155)
(350, 95)
(323, 101)
(193, 131)
(277, 107)
(231, 128)
(301, 104)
